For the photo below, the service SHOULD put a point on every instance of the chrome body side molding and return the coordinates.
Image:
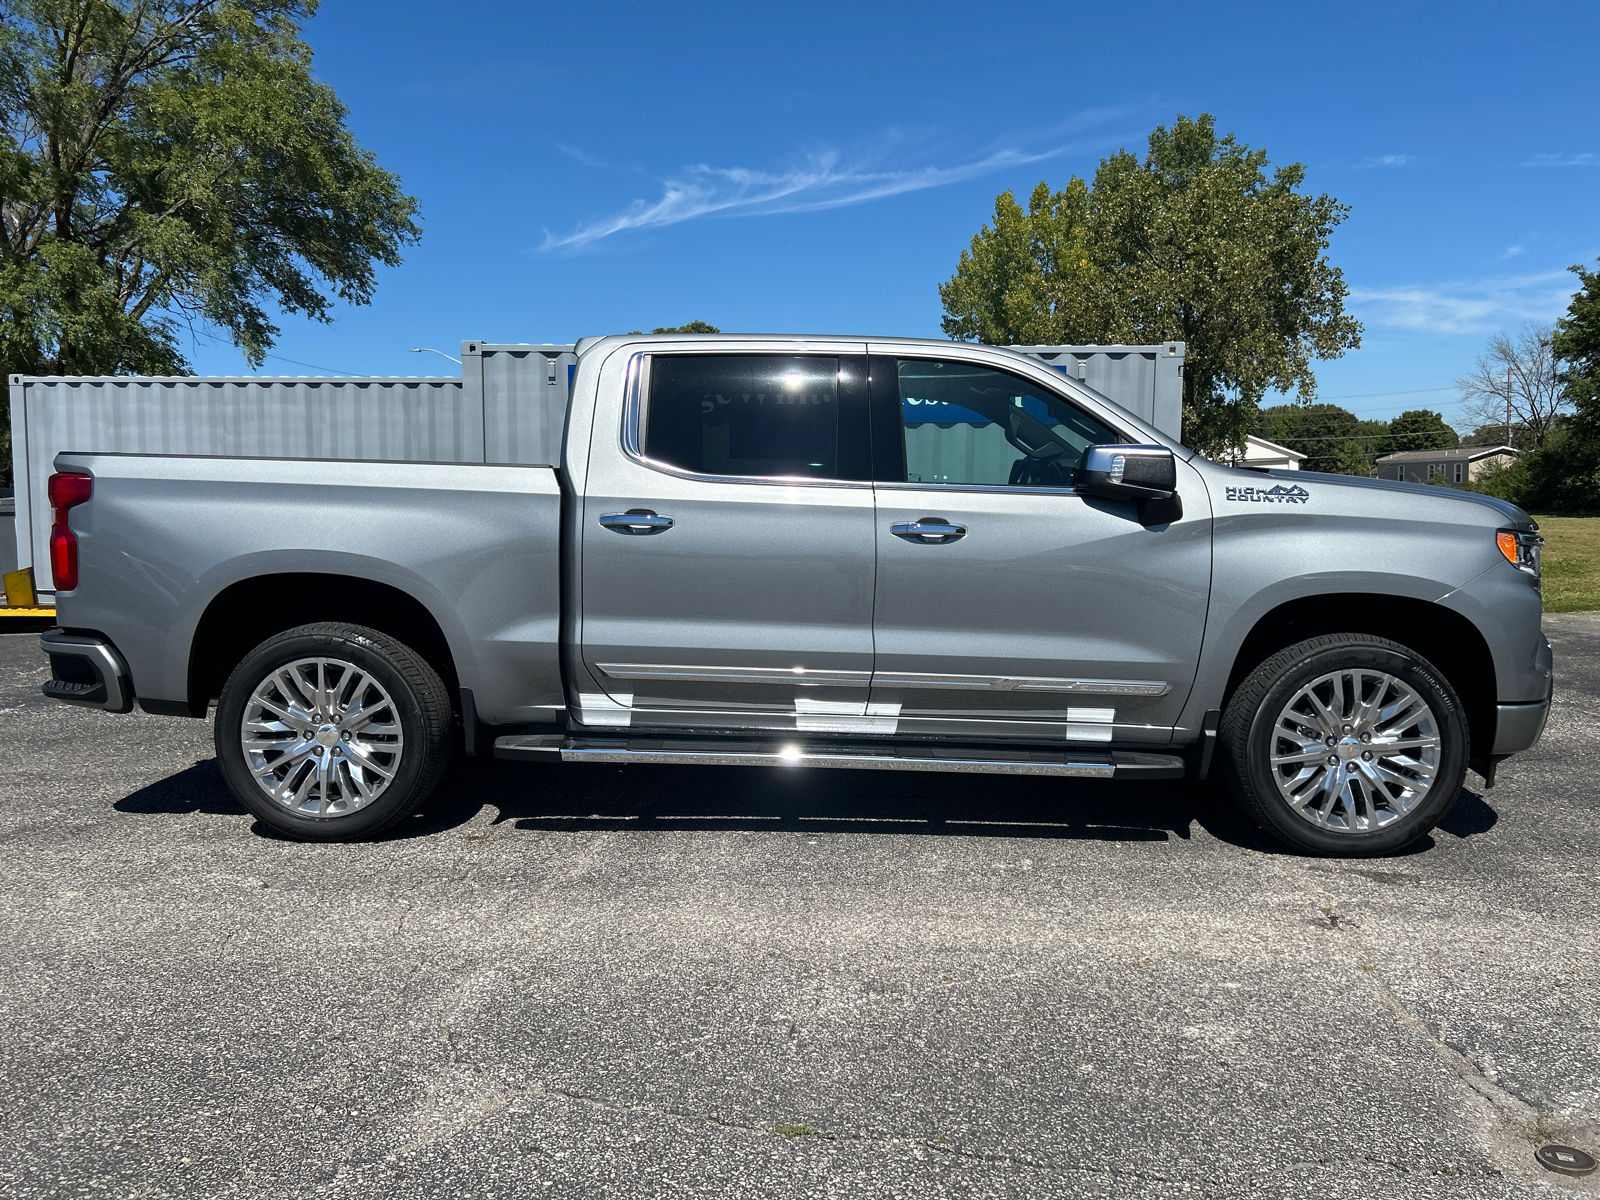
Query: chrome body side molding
(812, 677)
(799, 676)
(1024, 683)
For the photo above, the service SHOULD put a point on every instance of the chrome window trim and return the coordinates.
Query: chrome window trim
(635, 422)
(1006, 489)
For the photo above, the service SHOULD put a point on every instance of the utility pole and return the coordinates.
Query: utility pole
(1508, 404)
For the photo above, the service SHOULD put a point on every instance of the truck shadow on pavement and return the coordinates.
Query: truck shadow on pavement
(652, 798)
(572, 797)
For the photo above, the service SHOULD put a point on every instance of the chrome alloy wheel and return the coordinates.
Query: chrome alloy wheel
(1355, 750)
(321, 737)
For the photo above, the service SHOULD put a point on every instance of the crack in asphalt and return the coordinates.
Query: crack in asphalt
(1534, 1124)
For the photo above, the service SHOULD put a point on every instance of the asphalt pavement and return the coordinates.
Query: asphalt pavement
(686, 982)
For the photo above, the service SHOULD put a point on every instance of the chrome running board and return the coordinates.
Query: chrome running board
(708, 752)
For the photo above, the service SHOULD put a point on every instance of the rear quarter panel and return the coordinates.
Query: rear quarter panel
(477, 546)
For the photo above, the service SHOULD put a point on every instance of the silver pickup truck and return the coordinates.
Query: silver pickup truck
(792, 552)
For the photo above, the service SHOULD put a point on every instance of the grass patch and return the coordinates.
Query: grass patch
(792, 1131)
(1570, 563)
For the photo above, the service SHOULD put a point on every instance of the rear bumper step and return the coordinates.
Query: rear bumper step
(705, 752)
(87, 671)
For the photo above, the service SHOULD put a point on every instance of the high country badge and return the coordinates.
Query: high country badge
(1276, 494)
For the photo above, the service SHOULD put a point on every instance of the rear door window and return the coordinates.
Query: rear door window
(758, 415)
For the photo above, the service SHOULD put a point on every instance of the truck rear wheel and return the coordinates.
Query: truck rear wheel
(333, 732)
(1345, 745)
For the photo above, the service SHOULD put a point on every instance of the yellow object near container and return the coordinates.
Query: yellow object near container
(21, 600)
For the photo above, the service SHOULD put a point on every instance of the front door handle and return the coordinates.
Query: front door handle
(930, 531)
(636, 520)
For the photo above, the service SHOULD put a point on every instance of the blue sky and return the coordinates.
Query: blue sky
(597, 168)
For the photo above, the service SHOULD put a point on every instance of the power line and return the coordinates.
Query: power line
(314, 366)
(1354, 437)
(1370, 395)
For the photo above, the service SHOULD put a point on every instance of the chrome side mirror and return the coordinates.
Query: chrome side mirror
(1146, 474)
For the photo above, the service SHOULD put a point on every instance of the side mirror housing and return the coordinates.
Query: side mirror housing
(1146, 474)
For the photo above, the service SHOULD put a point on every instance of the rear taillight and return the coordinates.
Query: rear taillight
(66, 489)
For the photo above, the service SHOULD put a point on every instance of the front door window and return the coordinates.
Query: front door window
(968, 424)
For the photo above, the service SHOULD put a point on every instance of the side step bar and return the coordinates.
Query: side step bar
(705, 752)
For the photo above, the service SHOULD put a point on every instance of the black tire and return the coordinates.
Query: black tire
(420, 704)
(1249, 732)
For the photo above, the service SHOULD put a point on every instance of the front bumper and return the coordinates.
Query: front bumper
(1518, 726)
(86, 670)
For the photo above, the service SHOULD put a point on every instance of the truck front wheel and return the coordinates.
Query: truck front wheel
(333, 732)
(1345, 745)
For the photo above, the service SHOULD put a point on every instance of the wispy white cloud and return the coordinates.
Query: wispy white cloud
(1468, 305)
(1511, 252)
(1386, 160)
(821, 180)
(1563, 160)
(587, 160)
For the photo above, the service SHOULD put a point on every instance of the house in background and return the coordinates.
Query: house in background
(1258, 452)
(1460, 464)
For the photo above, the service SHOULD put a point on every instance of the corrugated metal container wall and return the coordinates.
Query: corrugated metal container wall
(1145, 380)
(386, 420)
(8, 538)
(524, 390)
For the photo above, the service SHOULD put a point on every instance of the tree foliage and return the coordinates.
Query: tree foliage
(1419, 429)
(174, 161)
(1195, 243)
(1322, 432)
(1494, 434)
(1563, 475)
(691, 327)
(1576, 342)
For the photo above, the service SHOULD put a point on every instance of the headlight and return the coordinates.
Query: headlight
(1521, 549)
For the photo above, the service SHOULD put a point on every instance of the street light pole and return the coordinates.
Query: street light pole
(457, 361)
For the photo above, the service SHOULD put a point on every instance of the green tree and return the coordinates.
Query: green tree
(1419, 429)
(166, 163)
(1194, 243)
(1576, 342)
(1352, 458)
(1563, 475)
(1494, 434)
(1319, 431)
(691, 327)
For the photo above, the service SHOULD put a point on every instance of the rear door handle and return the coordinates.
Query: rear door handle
(636, 520)
(929, 531)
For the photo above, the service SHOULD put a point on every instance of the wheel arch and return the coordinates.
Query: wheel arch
(1443, 636)
(245, 613)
